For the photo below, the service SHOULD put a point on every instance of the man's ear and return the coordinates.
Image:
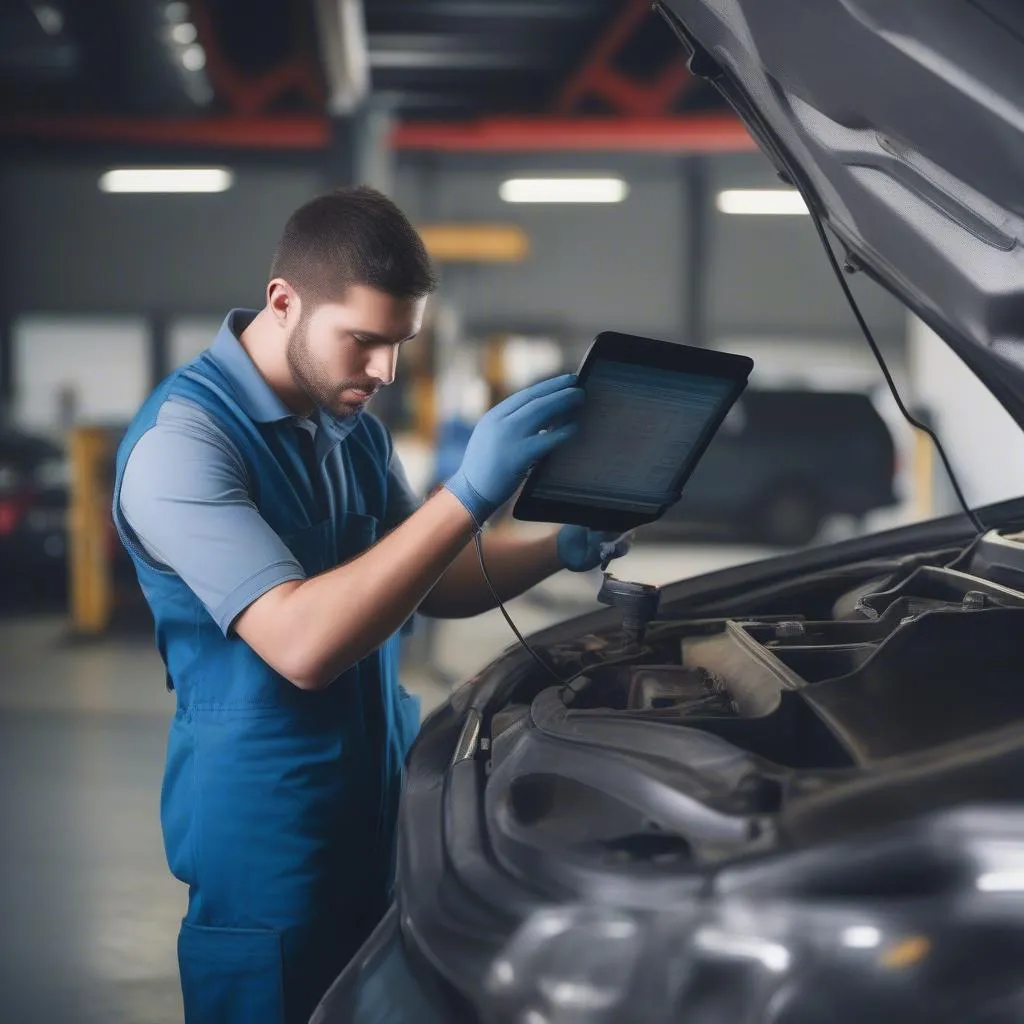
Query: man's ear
(283, 302)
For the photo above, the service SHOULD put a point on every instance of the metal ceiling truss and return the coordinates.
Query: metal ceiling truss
(250, 95)
(601, 76)
(617, 97)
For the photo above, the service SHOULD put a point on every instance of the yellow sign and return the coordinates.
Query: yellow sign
(475, 243)
(905, 954)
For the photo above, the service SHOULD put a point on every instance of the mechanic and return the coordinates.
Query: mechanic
(281, 549)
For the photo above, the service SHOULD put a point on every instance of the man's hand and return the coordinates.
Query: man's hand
(515, 564)
(510, 438)
(581, 550)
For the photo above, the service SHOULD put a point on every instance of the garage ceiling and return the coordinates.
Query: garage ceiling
(429, 59)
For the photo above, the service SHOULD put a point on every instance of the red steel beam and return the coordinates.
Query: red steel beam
(286, 133)
(690, 134)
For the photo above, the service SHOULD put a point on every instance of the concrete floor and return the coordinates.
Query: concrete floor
(89, 911)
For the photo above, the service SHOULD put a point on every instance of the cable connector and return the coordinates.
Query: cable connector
(638, 604)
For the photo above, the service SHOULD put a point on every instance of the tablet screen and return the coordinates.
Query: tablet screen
(640, 425)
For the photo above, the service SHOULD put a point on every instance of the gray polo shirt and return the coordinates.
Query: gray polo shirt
(186, 496)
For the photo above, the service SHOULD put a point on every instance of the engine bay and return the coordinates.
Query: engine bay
(811, 721)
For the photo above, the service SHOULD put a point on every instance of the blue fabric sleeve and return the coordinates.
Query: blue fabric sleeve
(186, 498)
(402, 499)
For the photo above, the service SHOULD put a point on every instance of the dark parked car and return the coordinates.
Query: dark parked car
(799, 796)
(33, 509)
(783, 462)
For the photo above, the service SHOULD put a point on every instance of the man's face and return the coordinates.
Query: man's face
(343, 352)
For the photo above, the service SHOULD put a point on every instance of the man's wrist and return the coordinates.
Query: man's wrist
(475, 503)
(556, 539)
(552, 547)
(458, 508)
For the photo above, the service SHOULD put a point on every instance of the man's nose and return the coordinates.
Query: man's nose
(383, 364)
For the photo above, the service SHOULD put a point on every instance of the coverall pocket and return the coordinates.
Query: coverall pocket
(313, 547)
(231, 975)
(332, 542)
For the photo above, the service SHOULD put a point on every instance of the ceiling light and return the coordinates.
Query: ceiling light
(50, 19)
(861, 936)
(762, 201)
(564, 190)
(176, 11)
(184, 33)
(167, 179)
(1001, 881)
(194, 58)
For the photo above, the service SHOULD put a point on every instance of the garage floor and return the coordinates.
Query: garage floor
(89, 910)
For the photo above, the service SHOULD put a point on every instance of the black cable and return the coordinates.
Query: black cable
(616, 658)
(508, 618)
(880, 359)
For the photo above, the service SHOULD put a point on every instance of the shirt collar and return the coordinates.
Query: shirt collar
(259, 400)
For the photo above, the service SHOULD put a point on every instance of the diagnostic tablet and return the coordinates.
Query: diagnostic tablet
(651, 409)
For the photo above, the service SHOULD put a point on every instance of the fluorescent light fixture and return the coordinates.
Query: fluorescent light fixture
(167, 179)
(503, 974)
(194, 58)
(50, 18)
(184, 33)
(861, 936)
(1001, 881)
(563, 190)
(762, 201)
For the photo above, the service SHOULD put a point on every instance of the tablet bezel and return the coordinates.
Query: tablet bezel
(627, 348)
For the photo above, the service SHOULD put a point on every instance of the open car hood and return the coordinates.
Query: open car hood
(903, 125)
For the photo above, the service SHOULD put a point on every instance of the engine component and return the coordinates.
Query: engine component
(669, 688)
(637, 603)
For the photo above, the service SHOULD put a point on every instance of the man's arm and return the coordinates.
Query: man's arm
(312, 630)
(186, 497)
(514, 564)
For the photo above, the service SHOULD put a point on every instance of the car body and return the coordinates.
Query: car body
(801, 798)
(783, 462)
(33, 509)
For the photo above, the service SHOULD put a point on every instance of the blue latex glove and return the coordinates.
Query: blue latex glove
(510, 438)
(581, 550)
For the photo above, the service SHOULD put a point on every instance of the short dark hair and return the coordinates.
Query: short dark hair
(352, 236)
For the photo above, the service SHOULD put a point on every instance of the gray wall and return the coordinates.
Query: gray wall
(769, 275)
(589, 268)
(624, 266)
(71, 247)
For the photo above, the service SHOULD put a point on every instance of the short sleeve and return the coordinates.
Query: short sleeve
(185, 496)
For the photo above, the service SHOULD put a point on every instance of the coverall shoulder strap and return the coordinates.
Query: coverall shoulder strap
(375, 438)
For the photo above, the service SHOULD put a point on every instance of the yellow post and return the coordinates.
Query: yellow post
(418, 369)
(924, 476)
(89, 565)
(494, 368)
(424, 398)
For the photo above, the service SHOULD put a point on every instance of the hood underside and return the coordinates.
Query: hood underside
(903, 125)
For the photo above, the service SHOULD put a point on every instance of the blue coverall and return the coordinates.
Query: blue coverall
(278, 805)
